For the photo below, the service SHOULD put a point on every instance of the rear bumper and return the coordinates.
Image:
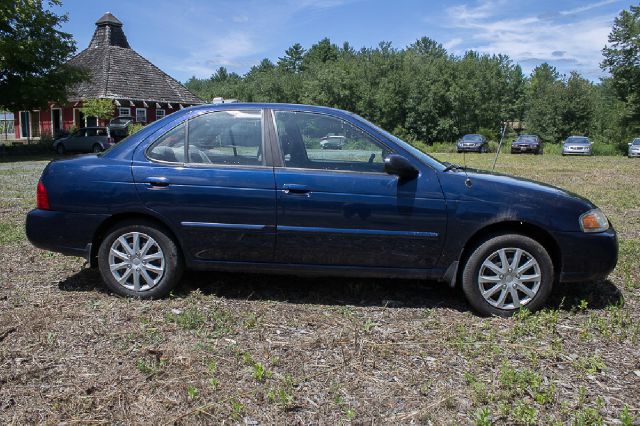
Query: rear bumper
(67, 233)
(587, 257)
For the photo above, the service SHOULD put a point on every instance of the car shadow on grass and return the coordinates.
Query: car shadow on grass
(392, 293)
(597, 295)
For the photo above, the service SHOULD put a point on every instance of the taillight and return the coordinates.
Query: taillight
(42, 198)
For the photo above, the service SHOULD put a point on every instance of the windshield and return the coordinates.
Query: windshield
(636, 142)
(526, 138)
(415, 151)
(574, 139)
(472, 138)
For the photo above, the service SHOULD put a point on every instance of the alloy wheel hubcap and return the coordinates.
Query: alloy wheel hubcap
(509, 278)
(136, 261)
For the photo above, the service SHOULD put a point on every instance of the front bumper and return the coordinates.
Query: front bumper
(516, 149)
(634, 154)
(67, 233)
(469, 148)
(587, 257)
(571, 152)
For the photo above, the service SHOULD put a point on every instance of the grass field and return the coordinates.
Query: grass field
(268, 349)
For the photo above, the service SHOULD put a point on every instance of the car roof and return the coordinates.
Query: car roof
(261, 105)
(91, 128)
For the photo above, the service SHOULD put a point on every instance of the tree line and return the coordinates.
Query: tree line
(424, 93)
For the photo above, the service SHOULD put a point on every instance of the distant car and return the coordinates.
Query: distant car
(86, 139)
(634, 148)
(333, 142)
(473, 143)
(527, 143)
(577, 145)
(260, 200)
(119, 127)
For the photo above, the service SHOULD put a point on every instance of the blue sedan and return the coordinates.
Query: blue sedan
(250, 187)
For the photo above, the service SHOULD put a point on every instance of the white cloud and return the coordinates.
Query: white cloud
(240, 19)
(531, 40)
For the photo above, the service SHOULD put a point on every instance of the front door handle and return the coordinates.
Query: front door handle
(158, 181)
(293, 188)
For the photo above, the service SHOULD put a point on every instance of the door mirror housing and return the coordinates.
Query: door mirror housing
(398, 165)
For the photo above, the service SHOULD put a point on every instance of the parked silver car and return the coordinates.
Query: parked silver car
(634, 148)
(86, 139)
(577, 145)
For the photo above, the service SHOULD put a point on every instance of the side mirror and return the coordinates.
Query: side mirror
(629, 144)
(398, 165)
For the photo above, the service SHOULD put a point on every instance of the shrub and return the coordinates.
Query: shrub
(134, 127)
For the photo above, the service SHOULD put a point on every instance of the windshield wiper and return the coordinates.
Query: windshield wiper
(451, 166)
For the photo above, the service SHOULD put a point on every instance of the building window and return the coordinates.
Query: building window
(124, 112)
(141, 115)
(159, 114)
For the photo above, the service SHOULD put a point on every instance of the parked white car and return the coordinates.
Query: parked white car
(634, 148)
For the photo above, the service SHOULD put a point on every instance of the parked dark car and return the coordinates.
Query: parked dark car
(86, 139)
(527, 143)
(119, 127)
(473, 143)
(244, 187)
(577, 145)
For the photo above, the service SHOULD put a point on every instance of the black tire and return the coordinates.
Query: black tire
(60, 149)
(173, 263)
(96, 148)
(471, 271)
(483, 150)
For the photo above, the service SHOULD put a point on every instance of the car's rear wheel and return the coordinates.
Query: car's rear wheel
(139, 259)
(97, 148)
(506, 273)
(483, 150)
(60, 149)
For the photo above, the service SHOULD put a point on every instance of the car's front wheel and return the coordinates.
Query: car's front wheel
(139, 259)
(506, 273)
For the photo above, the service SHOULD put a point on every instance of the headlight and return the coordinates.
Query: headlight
(593, 221)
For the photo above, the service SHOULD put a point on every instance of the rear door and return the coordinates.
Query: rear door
(338, 207)
(210, 179)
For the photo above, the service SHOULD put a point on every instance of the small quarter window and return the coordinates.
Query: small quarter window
(170, 146)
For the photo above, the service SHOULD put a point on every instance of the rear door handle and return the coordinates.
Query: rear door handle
(292, 188)
(158, 181)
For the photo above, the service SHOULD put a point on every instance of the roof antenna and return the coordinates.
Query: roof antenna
(467, 181)
(495, 160)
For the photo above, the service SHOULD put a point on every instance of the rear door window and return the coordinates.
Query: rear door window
(226, 137)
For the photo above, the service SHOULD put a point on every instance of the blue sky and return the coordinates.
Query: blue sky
(190, 37)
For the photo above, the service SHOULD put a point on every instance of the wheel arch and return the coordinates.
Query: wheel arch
(527, 229)
(109, 223)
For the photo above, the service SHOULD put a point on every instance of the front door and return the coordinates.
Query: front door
(56, 122)
(337, 206)
(214, 186)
